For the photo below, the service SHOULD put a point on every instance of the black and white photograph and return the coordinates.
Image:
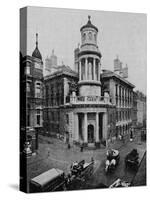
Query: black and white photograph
(83, 99)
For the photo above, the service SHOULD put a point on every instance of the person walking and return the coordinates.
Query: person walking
(131, 135)
(81, 148)
(48, 152)
(69, 146)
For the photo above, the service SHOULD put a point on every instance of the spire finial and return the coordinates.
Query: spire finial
(36, 39)
(52, 51)
(89, 17)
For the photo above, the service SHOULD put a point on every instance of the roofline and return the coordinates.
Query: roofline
(112, 74)
(59, 73)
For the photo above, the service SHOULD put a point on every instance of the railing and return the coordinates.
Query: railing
(88, 100)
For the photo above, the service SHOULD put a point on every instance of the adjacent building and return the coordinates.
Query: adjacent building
(32, 95)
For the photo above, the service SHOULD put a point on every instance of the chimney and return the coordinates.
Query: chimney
(125, 71)
(117, 65)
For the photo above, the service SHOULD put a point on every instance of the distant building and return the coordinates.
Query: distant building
(141, 109)
(50, 64)
(118, 68)
(134, 114)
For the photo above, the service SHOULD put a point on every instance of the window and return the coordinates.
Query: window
(28, 115)
(95, 37)
(67, 118)
(38, 90)
(90, 36)
(28, 69)
(37, 65)
(84, 37)
(28, 87)
(38, 117)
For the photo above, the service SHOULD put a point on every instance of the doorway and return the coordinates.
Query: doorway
(90, 133)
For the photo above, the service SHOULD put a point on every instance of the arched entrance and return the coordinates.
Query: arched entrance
(90, 133)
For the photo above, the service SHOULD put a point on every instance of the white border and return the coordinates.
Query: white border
(9, 99)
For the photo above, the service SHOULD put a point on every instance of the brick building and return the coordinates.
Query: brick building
(32, 96)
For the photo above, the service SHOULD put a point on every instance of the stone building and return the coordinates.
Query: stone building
(83, 113)
(141, 109)
(121, 95)
(32, 94)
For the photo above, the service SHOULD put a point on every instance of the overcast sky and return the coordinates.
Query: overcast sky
(122, 34)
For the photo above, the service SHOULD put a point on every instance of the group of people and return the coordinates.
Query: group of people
(122, 136)
(81, 146)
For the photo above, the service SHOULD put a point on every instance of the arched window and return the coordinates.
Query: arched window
(90, 36)
(28, 86)
(95, 37)
(28, 115)
(38, 117)
(38, 90)
(28, 68)
(84, 37)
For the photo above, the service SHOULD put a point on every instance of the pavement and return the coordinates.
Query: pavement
(54, 153)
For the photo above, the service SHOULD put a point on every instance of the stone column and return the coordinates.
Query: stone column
(76, 127)
(79, 70)
(86, 68)
(97, 130)
(99, 69)
(105, 125)
(94, 75)
(85, 129)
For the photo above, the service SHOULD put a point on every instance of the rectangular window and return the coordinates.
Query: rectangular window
(38, 90)
(28, 70)
(67, 118)
(38, 117)
(28, 87)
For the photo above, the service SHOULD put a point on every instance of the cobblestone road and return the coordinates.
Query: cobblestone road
(61, 157)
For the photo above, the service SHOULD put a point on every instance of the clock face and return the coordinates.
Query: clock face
(37, 65)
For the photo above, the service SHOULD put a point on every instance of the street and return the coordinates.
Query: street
(54, 153)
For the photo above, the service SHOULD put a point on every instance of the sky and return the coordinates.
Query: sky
(122, 34)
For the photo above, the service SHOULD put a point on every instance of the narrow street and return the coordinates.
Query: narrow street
(61, 157)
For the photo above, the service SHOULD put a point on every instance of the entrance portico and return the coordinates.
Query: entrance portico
(89, 127)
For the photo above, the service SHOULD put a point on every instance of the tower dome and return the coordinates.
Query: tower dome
(89, 25)
(36, 53)
(89, 61)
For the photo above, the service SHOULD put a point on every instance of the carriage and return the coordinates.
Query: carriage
(132, 160)
(79, 172)
(112, 160)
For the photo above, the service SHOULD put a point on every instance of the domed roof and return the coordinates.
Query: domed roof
(36, 53)
(89, 25)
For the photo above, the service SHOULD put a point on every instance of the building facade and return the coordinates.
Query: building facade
(141, 109)
(32, 94)
(121, 94)
(83, 115)
(87, 106)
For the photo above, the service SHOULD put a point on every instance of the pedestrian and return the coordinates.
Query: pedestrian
(68, 145)
(131, 135)
(48, 152)
(81, 148)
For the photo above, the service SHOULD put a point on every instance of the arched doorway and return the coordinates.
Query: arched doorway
(90, 133)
